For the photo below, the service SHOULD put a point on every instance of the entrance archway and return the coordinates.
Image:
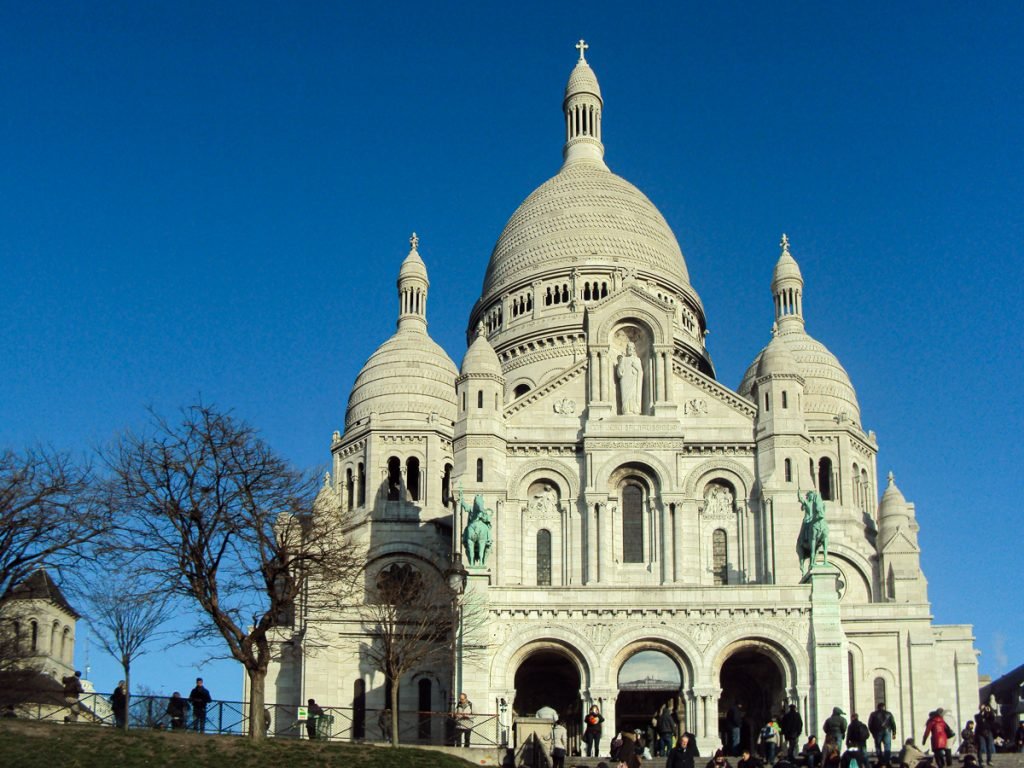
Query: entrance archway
(549, 678)
(648, 681)
(752, 679)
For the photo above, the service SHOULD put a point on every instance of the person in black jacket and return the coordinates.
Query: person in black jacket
(792, 726)
(883, 728)
(857, 734)
(683, 754)
(835, 727)
(177, 710)
(199, 698)
(119, 704)
(986, 728)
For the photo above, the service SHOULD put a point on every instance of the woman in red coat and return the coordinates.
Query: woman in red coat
(940, 732)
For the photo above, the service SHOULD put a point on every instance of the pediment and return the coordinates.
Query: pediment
(900, 544)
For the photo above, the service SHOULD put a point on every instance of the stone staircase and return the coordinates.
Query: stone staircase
(1001, 760)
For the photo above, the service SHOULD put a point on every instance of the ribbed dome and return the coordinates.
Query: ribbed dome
(584, 216)
(827, 388)
(893, 503)
(776, 358)
(481, 358)
(404, 381)
(582, 80)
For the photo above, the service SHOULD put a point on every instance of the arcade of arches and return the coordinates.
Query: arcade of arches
(751, 675)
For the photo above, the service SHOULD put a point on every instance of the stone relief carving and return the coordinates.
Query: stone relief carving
(545, 502)
(696, 406)
(718, 501)
(598, 634)
(565, 406)
(629, 371)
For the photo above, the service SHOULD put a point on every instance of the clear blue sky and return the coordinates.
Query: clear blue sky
(214, 199)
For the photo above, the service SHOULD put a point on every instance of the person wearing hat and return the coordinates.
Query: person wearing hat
(939, 730)
(835, 726)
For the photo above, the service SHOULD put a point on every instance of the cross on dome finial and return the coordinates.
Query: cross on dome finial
(784, 243)
(414, 241)
(582, 48)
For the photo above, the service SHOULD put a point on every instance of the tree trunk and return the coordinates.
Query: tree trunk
(394, 713)
(127, 694)
(257, 681)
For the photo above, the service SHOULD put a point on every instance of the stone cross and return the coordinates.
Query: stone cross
(582, 48)
(785, 243)
(414, 241)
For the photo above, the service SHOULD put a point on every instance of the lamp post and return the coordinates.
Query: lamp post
(456, 576)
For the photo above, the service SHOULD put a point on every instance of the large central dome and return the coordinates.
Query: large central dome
(584, 216)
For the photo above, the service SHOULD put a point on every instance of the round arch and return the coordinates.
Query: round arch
(853, 566)
(704, 473)
(654, 470)
(635, 315)
(785, 650)
(558, 470)
(680, 649)
(571, 644)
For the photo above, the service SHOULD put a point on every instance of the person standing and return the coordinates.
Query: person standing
(559, 737)
(592, 731)
(770, 740)
(199, 698)
(986, 727)
(177, 711)
(313, 714)
(666, 730)
(883, 728)
(734, 723)
(835, 727)
(792, 726)
(72, 690)
(857, 734)
(463, 721)
(119, 704)
(939, 730)
(683, 754)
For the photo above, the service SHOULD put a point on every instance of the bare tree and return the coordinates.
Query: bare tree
(207, 506)
(48, 514)
(126, 618)
(410, 615)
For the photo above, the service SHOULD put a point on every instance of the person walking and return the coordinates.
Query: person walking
(792, 726)
(882, 726)
(199, 698)
(666, 731)
(313, 714)
(592, 731)
(559, 737)
(987, 728)
(939, 730)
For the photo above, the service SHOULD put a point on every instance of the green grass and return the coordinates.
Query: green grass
(27, 744)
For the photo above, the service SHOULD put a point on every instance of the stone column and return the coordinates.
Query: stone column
(828, 644)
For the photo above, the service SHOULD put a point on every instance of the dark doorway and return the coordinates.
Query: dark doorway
(752, 679)
(550, 679)
(359, 709)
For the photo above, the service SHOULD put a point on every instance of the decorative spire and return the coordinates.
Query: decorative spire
(892, 479)
(582, 107)
(787, 290)
(412, 289)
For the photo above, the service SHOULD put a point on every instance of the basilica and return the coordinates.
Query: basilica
(628, 504)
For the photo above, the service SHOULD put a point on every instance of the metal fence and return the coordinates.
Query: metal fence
(281, 720)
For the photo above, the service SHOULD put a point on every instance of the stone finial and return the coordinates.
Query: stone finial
(892, 479)
(582, 47)
(414, 241)
(784, 243)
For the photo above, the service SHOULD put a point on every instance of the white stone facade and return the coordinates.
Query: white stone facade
(668, 526)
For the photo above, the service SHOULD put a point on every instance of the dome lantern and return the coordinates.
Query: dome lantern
(412, 288)
(582, 108)
(787, 288)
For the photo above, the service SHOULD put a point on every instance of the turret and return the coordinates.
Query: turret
(898, 550)
(480, 424)
(582, 108)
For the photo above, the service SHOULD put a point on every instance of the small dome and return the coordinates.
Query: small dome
(776, 358)
(413, 266)
(828, 391)
(404, 381)
(582, 80)
(893, 503)
(481, 358)
(786, 267)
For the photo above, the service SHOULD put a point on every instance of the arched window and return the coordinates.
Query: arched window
(423, 716)
(879, 690)
(446, 485)
(632, 524)
(362, 485)
(825, 479)
(479, 470)
(359, 709)
(543, 558)
(480, 398)
(394, 478)
(463, 400)
(520, 390)
(55, 638)
(350, 487)
(412, 477)
(856, 485)
(720, 557)
(785, 399)
(34, 638)
(767, 402)
(65, 645)
(789, 471)
(852, 681)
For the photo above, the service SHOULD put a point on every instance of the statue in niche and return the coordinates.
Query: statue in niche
(476, 536)
(630, 373)
(814, 531)
(545, 502)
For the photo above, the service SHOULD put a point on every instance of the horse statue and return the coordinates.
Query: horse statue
(814, 531)
(476, 536)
